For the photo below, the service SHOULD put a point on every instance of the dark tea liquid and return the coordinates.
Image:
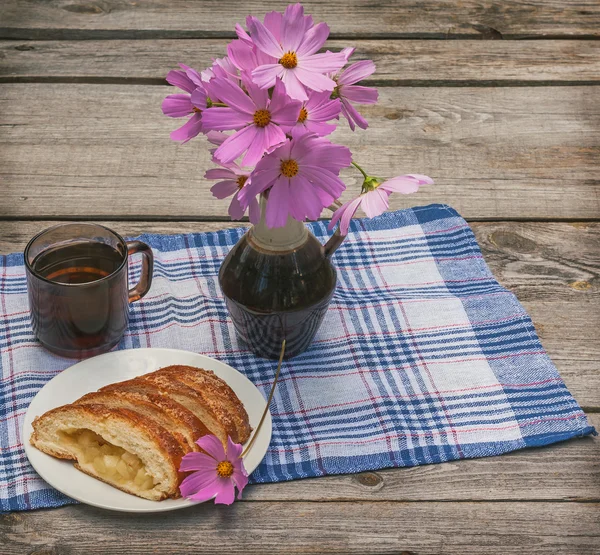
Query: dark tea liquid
(78, 263)
(85, 307)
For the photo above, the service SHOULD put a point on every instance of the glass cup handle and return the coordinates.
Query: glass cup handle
(142, 287)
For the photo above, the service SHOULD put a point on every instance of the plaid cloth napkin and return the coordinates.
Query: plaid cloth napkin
(422, 358)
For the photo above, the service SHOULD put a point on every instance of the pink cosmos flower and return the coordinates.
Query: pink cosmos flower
(375, 201)
(182, 105)
(314, 115)
(298, 65)
(233, 179)
(216, 472)
(302, 178)
(256, 117)
(347, 91)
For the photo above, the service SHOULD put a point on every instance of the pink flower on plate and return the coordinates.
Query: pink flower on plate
(375, 200)
(182, 105)
(298, 65)
(256, 117)
(314, 115)
(233, 179)
(215, 473)
(348, 92)
(302, 178)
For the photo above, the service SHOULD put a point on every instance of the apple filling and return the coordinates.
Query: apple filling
(110, 462)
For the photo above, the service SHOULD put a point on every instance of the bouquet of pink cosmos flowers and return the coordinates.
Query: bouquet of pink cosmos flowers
(280, 98)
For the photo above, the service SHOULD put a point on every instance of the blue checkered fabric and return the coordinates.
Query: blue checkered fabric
(422, 357)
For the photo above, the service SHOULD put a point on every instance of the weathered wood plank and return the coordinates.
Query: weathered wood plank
(423, 528)
(350, 18)
(398, 62)
(553, 269)
(494, 152)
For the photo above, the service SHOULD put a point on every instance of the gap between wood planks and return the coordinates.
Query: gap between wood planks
(91, 80)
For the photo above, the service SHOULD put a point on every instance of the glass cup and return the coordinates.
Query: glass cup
(77, 282)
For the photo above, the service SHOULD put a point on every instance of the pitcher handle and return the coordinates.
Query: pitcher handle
(334, 242)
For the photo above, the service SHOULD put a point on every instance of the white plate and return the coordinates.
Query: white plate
(94, 373)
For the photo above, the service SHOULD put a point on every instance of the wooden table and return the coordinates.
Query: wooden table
(508, 128)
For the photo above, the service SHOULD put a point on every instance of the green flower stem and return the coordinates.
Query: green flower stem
(264, 414)
(360, 170)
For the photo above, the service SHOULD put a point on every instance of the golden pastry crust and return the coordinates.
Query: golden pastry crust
(140, 405)
(149, 422)
(208, 384)
(153, 444)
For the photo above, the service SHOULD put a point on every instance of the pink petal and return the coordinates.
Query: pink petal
(232, 95)
(259, 97)
(361, 95)
(352, 113)
(283, 110)
(220, 173)
(199, 98)
(324, 179)
(198, 461)
(345, 213)
(224, 119)
(348, 51)
(241, 481)
(292, 30)
(405, 184)
(313, 40)
(213, 446)
(241, 55)
(216, 137)
(254, 211)
(423, 179)
(274, 136)
(323, 63)
(198, 481)
(180, 80)
(357, 71)
(305, 200)
(264, 39)
(293, 87)
(266, 75)
(313, 80)
(226, 492)
(242, 35)
(348, 215)
(319, 128)
(234, 450)
(224, 189)
(192, 74)
(236, 144)
(278, 203)
(347, 116)
(273, 22)
(192, 128)
(256, 148)
(177, 105)
(236, 210)
(375, 202)
(325, 111)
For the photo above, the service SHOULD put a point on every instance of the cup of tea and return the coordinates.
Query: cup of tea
(78, 287)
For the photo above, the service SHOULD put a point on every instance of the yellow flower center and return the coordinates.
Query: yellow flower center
(289, 60)
(262, 118)
(241, 181)
(197, 110)
(335, 93)
(303, 115)
(225, 469)
(289, 168)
